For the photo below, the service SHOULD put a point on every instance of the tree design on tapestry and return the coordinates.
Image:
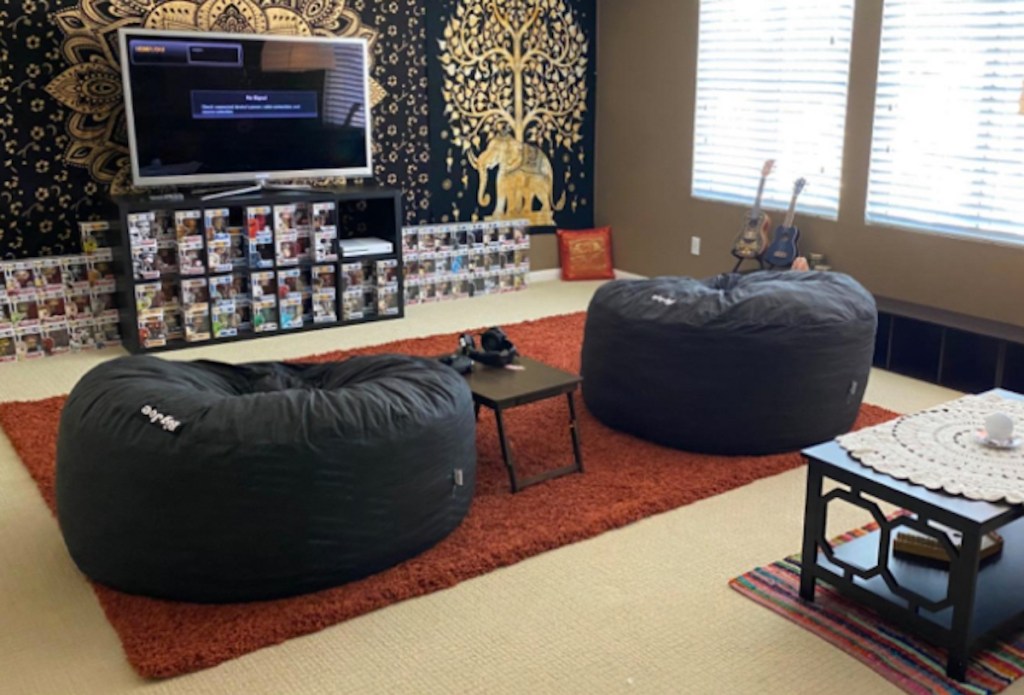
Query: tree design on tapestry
(91, 86)
(515, 92)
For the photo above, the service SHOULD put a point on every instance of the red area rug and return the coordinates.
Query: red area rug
(626, 479)
(913, 664)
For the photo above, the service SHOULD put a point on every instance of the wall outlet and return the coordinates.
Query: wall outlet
(695, 245)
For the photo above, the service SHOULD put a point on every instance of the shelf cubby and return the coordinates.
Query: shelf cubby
(962, 352)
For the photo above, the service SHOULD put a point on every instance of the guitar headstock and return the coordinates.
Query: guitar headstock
(798, 185)
(769, 164)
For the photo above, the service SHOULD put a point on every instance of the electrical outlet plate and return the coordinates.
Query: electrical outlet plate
(695, 245)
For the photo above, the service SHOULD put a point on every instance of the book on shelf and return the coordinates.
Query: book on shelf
(912, 543)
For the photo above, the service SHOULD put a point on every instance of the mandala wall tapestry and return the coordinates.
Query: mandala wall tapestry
(512, 88)
(62, 118)
(526, 97)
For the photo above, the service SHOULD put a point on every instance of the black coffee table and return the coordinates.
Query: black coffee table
(958, 607)
(501, 388)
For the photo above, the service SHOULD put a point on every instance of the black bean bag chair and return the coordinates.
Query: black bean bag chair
(736, 364)
(209, 482)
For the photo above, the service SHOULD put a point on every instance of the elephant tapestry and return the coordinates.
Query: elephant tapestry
(512, 87)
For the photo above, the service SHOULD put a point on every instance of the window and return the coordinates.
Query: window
(948, 145)
(771, 84)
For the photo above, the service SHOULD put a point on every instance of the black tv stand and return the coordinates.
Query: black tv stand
(173, 309)
(259, 185)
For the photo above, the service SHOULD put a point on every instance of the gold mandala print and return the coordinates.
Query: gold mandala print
(90, 88)
(62, 124)
(515, 92)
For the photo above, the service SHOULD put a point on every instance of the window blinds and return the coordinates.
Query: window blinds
(771, 84)
(947, 152)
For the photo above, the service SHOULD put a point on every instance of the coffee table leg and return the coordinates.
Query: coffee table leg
(814, 523)
(963, 579)
(575, 431)
(506, 454)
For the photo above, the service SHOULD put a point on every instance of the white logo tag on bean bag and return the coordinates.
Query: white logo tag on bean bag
(157, 418)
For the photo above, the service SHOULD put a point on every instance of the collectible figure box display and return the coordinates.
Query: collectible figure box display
(260, 233)
(325, 232)
(264, 314)
(218, 255)
(359, 293)
(324, 293)
(266, 268)
(218, 240)
(386, 274)
(290, 309)
(286, 235)
(292, 230)
(189, 237)
(451, 261)
(98, 234)
(8, 346)
(195, 271)
(152, 327)
(190, 256)
(222, 288)
(197, 323)
(216, 222)
(142, 236)
(290, 290)
(53, 305)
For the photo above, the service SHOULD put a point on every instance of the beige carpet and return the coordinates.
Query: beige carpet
(644, 609)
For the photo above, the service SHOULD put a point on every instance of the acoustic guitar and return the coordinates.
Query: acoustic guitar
(752, 241)
(783, 249)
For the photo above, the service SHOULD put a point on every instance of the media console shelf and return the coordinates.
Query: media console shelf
(962, 352)
(194, 271)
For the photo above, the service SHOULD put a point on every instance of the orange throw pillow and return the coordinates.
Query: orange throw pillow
(586, 254)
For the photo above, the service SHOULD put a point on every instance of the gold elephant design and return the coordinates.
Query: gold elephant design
(524, 177)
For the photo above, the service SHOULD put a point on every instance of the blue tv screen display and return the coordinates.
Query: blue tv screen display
(207, 108)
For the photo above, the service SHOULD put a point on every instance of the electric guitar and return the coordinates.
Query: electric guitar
(783, 250)
(752, 240)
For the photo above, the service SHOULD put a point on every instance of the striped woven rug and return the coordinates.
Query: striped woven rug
(909, 663)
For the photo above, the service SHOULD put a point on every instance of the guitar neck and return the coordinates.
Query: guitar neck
(755, 211)
(797, 187)
(790, 213)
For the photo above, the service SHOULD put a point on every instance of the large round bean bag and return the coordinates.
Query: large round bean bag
(209, 482)
(736, 364)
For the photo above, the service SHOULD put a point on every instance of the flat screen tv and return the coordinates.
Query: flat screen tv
(212, 108)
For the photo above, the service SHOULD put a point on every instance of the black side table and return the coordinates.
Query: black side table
(957, 607)
(500, 389)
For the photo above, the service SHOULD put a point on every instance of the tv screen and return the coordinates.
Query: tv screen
(210, 107)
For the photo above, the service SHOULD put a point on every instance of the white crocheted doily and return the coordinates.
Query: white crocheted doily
(940, 448)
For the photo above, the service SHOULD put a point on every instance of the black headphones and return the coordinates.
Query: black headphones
(496, 349)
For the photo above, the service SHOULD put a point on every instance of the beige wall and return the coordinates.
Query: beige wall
(543, 251)
(647, 54)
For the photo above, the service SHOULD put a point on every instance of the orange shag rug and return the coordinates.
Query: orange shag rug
(626, 479)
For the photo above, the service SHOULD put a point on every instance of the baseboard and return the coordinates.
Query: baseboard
(546, 275)
(549, 274)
